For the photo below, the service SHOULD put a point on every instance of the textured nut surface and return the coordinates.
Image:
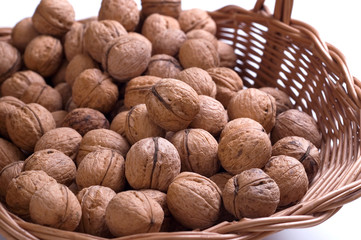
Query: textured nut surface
(77, 65)
(132, 212)
(203, 34)
(251, 194)
(64, 90)
(11, 60)
(283, 101)
(118, 123)
(7, 173)
(221, 179)
(172, 104)
(226, 55)
(157, 23)
(22, 33)
(59, 117)
(240, 123)
(169, 42)
(7, 105)
(164, 66)
(152, 163)
(59, 75)
(170, 8)
(194, 200)
(9, 153)
(196, 19)
(73, 40)
(62, 209)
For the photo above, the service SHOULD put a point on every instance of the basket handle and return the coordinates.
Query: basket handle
(282, 11)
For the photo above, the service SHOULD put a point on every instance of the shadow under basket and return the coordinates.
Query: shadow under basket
(275, 50)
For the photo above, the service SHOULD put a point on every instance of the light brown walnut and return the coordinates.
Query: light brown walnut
(221, 179)
(9, 153)
(59, 117)
(7, 173)
(163, 66)
(7, 105)
(196, 18)
(73, 40)
(168, 42)
(77, 65)
(22, 33)
(203, 34)
(65, 92)
(227, 56)
(10, 60)
(156, 23)
(118, 123)
(170, 8)
(283, 101)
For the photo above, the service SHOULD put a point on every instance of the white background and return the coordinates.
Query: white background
(338, 23)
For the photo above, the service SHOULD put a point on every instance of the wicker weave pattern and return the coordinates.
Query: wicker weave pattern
(275, 50)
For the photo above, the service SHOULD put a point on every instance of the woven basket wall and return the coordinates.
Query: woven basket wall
(275, 50)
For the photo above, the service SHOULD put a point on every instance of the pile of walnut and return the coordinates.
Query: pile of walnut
(135, 122)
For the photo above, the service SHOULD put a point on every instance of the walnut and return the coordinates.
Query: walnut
(22, 187)
(194, 200)
(77, 65)
(240, 123)
(94, 200)
(126, 57)
(199, 80)
(293, 122)
(70, 105)
(85, 119)
(283, 101)
(197, 149)
(228, 83)
(142, 38)
(7, 173)
(152, 163)
(138, 125)
(255, 104)
(63, 139)
(104, 167)
(59, 117)
(198, 53)
(62, 209)
(290, 176)
(22, 33)
(170, 8)
(59, 76)
(157, 23)
(211, 117)
(164, 66)
(101, 139)
(27, 124)
(10, 60)
(107, 29)
(9, 153)
(196, 19)
(227, 56)
(44, 55)
(73, 41)
(137, 89)
(301, 149)
(244, 148)
(100, 92)
(118, 123)
(172, 104)
(130, 207)
(7, 105)
(53, 17)
(203, 34)
(221, 179)
(168, 42)
(65, 92)
(251, 194)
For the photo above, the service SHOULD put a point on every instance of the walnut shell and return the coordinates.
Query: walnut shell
(170, 8)
(73, 41)
(290, 176)
(240, 123)
(156, 23)
(227, 56)
(203, 34)
(63, 139)
(142, 38)
(152, 163)
(194, 200)
(65, 92)
(118, 123)
(104, 167)
(130, 207)
(7, 105)
(252, 194)
(9, 153)
(27, 124)
(22, 33)
(196, 19)
(77, 65)
(59, 117)
(59, 76)
(164, 66)
(7, 173)
(10, 60)
(283, 101)
(169, 42)
(221, 179)
(62, 209)
(172, 104)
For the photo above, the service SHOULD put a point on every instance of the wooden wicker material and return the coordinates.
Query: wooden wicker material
(275, 50)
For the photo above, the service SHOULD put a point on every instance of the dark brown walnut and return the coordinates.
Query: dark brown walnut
(301, 149)
(100, 92)
(10, 60)
(73, 40)
(63, 210)
(290, 176)
(126, 57)
(44, 55)
(199, 80)
(59, 76)
(255, 104)
(94, 201)
(227, 56)
(130, 207)
(156, 24)
(22, 33)
(53, 17)
(211, 117)
(7, 173)
(7, 105)
(85, 119)
(27, 124)
(104, 167)
(101, 139)
(118, 123)
(9, 153)
(170, 8)
(152, 163)
(197, 149)
(293, 122)
(239, 124)
(228, 83)
(172, 104)
(137, 89)
(243, 149)
(203, 34)
(251, 194)
(59, 117)
(141, 38)
(65, 92)
(108, 29)
(194, 200)
(221, 179)
(138, 125)
(196, 19)
(63, 139)
(164, 66)
(77, 65)
(198, 53)
(44, 95)
(21, 189)
(283, 101)
(168, 42)
(54, 163)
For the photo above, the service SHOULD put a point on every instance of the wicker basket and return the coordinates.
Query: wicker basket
(274, 50)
